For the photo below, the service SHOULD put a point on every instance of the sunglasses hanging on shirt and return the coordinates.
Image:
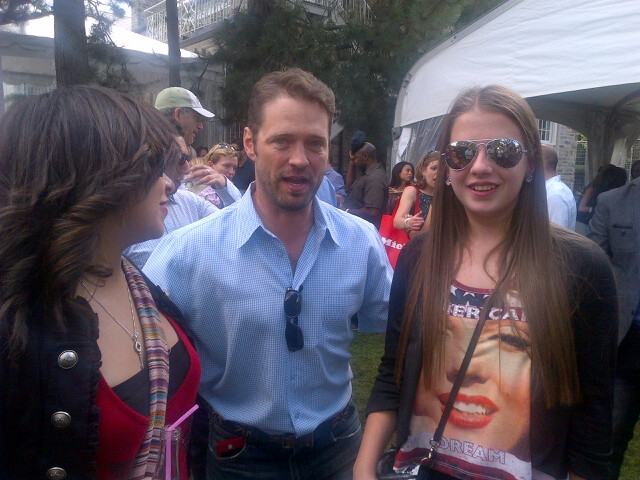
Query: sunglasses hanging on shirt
(292, 308)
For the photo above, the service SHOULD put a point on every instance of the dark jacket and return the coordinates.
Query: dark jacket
(615, 226)
(48, 418)
(563, 439)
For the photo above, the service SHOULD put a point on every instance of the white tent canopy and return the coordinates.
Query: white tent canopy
(577, 63)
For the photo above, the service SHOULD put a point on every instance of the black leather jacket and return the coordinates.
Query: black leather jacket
(48, 417)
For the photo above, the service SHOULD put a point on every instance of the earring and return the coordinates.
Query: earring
(528, 177)
(447, 181)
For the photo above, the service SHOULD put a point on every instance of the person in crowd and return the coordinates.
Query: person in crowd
(608, 178)
(184, 207)
(536, 399)
(615, 226)
(275, 349)
(327, 193)
(201, 151)
(223, 158)
(426, 173)
(560, 201)
(635, 170)
(367, 194)
(338, 184)
(84, 338)
(402, 174)
(183, 107)
(222, 161)
(245, 172)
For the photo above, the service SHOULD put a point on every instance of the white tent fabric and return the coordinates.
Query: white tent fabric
(578, 63)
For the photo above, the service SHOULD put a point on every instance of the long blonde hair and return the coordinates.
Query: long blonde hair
(524, 258)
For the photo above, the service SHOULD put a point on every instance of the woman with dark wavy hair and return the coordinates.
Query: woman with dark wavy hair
(535, 402)
(93, 364)
(402, 175)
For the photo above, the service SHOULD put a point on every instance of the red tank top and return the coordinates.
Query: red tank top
(122, 429)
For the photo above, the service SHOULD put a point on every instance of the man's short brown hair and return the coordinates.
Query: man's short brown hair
(293, 82)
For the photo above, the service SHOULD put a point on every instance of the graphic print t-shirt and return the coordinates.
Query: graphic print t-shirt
(487, 434)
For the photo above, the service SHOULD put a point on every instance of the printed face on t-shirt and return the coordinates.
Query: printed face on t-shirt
(492, 406)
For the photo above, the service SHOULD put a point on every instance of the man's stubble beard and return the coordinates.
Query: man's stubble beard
(270, 189)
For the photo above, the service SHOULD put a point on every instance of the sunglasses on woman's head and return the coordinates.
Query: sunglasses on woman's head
(223, 146)
(504, 152)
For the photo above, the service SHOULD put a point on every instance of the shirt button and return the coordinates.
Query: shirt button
(56, 473)
(67, 359)
(61, 419)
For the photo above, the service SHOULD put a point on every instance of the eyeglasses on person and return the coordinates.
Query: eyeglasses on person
(504, 152)
(184, 158)
(292, 308)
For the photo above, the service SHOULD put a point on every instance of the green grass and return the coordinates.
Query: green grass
(367, 350)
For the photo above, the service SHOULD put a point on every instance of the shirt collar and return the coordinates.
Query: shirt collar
(377, 165)
(251, 221)
(553, 180)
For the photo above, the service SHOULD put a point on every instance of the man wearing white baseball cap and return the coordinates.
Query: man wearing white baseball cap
(183, 107)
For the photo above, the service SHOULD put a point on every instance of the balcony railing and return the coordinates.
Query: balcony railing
(196, 14)
(358, 9)
(192, 15)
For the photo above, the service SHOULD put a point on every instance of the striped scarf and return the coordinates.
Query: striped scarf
(144, 465)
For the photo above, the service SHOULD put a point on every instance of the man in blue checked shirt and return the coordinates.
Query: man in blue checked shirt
(268, 287)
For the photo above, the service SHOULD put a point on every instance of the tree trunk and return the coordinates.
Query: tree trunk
(70, 42)
(173, 40)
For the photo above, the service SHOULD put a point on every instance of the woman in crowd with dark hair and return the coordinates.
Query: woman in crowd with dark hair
(402, 175)
(93, 364)
(536, 399)
(608, 178)
(426, 173)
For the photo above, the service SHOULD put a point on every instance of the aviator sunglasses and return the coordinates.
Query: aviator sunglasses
(223, 146)
(292, 308)
(504, 152)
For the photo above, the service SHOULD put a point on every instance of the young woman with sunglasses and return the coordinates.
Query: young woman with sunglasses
(536, 399)
(93, 362)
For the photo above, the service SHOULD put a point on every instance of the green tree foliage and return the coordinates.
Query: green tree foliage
(364, 62)
(14, 11)
(270, 36)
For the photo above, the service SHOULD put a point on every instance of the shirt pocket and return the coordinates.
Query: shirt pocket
(336, 318)
(622, 239)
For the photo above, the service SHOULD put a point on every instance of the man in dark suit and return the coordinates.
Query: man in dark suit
(615, 226)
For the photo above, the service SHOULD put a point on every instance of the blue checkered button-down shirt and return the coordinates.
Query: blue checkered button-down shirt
(228, 274)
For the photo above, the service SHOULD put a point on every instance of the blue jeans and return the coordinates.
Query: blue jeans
(626, 410)
(332, 462)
